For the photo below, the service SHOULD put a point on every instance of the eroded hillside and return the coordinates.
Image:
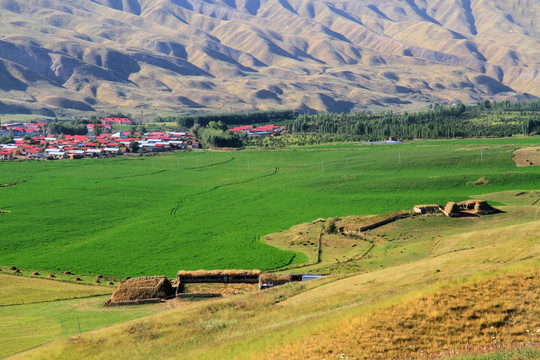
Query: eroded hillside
(338, 55)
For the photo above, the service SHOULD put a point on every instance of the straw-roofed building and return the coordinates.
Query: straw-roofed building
(480, 207)
(452, 209)
(216, 276)
(148, 287)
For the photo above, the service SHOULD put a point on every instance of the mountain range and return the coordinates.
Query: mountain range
(236, 55)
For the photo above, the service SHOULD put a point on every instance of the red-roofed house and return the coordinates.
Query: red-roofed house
(6, 155)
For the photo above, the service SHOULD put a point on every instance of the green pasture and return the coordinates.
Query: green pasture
(27, 326)
(209, 209)
(19, 290)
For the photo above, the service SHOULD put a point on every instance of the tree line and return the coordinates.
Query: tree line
(487, 119)
(233, 118)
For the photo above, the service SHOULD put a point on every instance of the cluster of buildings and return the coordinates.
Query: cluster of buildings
(23, 129)
(37, 146)
(251, 131)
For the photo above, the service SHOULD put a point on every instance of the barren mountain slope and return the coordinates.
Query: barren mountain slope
(337, 55)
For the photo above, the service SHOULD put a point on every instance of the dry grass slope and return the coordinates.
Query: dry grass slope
(502, 311)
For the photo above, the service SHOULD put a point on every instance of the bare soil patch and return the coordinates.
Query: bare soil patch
(528, 156)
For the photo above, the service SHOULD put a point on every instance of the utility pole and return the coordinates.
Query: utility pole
(481, 154)
(79, 323)
(322, 165)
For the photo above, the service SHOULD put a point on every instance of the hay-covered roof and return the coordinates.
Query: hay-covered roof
(148, 287)
(200, 273)
(268, 277)
(145, 279)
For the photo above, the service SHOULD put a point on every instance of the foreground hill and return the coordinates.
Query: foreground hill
(462, 284)
(243, 54)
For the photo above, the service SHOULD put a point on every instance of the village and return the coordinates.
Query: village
(31, 141)
(34, 141)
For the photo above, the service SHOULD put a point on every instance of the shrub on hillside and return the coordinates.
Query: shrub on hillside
(330, 226)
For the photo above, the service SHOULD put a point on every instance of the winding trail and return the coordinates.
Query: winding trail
(210, 165)
(137, 175)
(180, 204)
(13, 183)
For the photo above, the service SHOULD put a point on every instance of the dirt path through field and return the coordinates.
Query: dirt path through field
(528, 156)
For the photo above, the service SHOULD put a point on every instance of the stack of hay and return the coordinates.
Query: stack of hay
(148, 287)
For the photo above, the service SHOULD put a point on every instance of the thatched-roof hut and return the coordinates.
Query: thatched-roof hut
(483, 208)
(148, 287)
(452, 209)
(480, 207)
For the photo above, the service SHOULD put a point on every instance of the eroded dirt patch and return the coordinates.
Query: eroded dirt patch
(528, 156)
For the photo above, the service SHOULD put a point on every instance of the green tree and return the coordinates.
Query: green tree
(133, 146)
(330, 226)
(97, 128)
(6, 139)
(218, 125)
(196, 129)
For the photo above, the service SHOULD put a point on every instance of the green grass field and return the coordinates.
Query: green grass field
(17, 290)
(36, 311)
(156, 215)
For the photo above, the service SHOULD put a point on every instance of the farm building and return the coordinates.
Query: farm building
(466, 208)
(426, 209)
(6, 155)
(216, 276)
(479, 207)
(143, 288)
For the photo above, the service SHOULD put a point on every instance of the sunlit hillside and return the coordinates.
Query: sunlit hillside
(306, 55)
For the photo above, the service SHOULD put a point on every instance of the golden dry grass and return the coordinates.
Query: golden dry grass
(502, 310)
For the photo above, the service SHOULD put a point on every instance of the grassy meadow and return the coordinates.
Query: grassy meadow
(209, 209)
(436, 305)
(18, 290)
(36, 311)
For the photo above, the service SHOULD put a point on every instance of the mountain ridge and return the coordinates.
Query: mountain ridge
(223, 55)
